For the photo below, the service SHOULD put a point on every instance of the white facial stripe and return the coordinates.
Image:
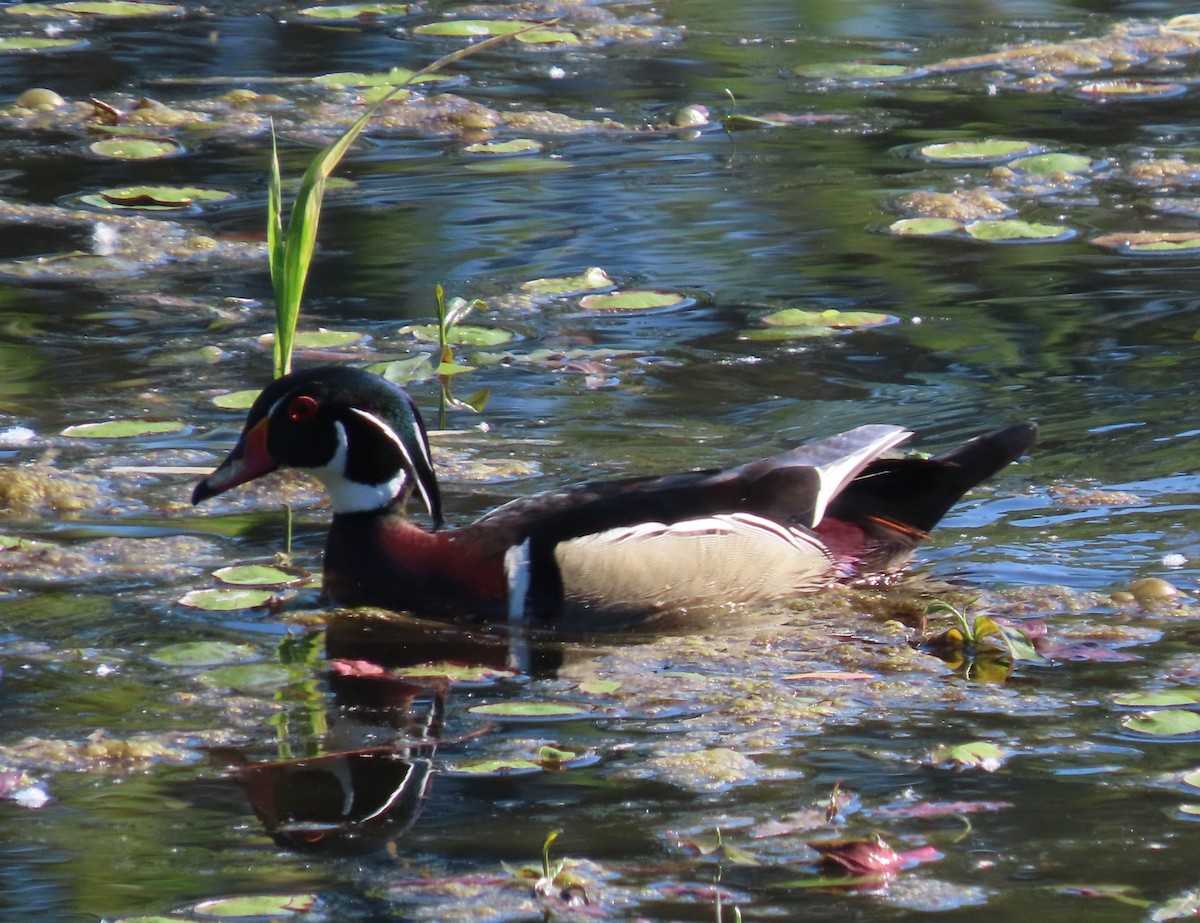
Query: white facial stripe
(347, 496)
(391, 434)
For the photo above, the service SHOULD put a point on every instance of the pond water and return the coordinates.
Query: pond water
(186, 755)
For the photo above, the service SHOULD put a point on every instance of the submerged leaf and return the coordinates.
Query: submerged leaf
(202, 653)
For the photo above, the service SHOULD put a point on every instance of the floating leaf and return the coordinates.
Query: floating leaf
(977, 754)
(513, 146)
(1130, 90)
(255, 575)
(519, 165)
(841, 320)
(1165, 698)
(477, 28)
(530, 710)
(1043, 164)
(1008, 229)
(495, 768)
(924, 227)
(71, 8)
(157, 198)
(262, 905)
(355, 10)
(320, 338)
(395, 77)
(202, 653)
(633, 300)
(121, 429)
(250, 677)
(594, 279)
(1167, 723)
(465, 673)
(13, 543)
(403, 371)
(858, 71)
(1192, 778)
(994, 150)
(236, 400)
(136, 148)
(222, 600)
(460, 334)
(1150, 241)
(38, 43)
(599, 686)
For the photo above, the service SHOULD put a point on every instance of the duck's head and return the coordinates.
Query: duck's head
(357, 433)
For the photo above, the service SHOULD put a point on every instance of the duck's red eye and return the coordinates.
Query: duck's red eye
(302, 409)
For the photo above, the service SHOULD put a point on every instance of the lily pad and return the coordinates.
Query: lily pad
(136, 148)
(1044, 164)
(236, 400)
(395, 77)
(924, 227)
(976, 754)
(519, 165)
(460, 334)
(471, 674)
(594, 279)
(39, 43)
(1150, 241)
(13, 543)
(224, 600)
(203, 653)
(122, 429)
(154, 198)
(1165, 698)
(117, 8)
(992, 150)
(501, 768)
(1192, 778)
(319, 338)
(512, 146)
(634, 300)
(858, 71)
(271, 906)
(250, 677)
(1011, 229)
(842, 320)
(403, 371)
(531, 711)
(478, 28)
(355, 10)
(1164, 723)
(255, 575)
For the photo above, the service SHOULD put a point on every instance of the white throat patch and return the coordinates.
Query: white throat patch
(347, 496)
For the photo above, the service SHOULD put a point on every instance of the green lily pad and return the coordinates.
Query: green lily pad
(976, 754)
(924, 227)
(842, 320)
(464, 673)
(403, 371)
(255, 575)
(495, 768)
(1165, 723)
(155, 198)
(39, 43)
(13, 543)
(251, 677)
(122, 429)
(512, 146)
(395, 77)
(1192, 778)
(118, 8)
(224, 600)
(599, 686)
(460, 334)
(594, 279)
(355, 10)
(858, 71)
(993, 150)
(203, 653)
(1010, 229)
(633, 300)
(136, 148)
(530, 710)
(271, 906)
(236, 400)
(478, 28)
(324, 339)
(1150, 241)
(1164, 698)
(1043, 164)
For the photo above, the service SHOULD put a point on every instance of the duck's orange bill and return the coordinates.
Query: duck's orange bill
(248, 460)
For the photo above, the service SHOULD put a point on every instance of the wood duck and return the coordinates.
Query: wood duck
(601, 553)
